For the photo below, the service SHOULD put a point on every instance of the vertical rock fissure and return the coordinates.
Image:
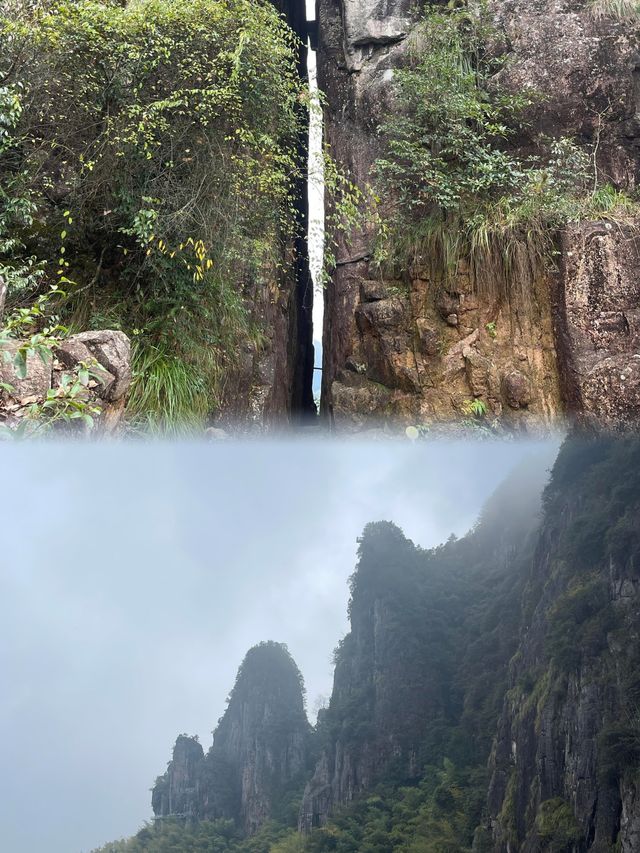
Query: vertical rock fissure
(315, 184)
(301, 353)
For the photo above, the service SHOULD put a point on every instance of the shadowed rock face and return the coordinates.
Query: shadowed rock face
(409, 350)
(568, 730)
(259, 753)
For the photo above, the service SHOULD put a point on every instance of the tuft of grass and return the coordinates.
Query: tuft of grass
(167, 395)
(510, 240)
(623, 9)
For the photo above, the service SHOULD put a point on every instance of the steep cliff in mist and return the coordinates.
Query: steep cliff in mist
(564, 769)
(418, 676)
(485, 698)
(555, 338)
(259, 755)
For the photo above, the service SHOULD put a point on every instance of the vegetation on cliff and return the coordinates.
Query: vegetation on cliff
(459, 180)
(148, 154)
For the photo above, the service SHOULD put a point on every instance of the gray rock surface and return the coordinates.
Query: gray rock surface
(107, 356)
(38, 377)
(111, 350)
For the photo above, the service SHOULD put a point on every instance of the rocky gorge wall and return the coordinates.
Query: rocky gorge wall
(272, 383)
(409, 350)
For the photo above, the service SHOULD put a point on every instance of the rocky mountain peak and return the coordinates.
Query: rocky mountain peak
(259, 751)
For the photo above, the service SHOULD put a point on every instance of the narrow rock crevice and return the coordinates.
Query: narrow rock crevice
(300, 337)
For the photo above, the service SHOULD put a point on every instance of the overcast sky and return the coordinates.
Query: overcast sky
(133, 578)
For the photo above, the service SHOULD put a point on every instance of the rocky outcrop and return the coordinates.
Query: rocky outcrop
(178, 791)
(259, 754)
(105, 355)
(413, 351)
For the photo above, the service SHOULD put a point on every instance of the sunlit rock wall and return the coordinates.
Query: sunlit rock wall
(413, 351)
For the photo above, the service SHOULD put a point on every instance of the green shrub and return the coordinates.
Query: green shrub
(453, 191)
(556, 824)
(579, 622)
(618, 749)
(156, 151)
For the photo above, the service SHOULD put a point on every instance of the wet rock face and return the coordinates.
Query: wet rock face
(260, 749)
(427, 351)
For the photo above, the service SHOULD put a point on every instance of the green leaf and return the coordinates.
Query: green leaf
(20, 364)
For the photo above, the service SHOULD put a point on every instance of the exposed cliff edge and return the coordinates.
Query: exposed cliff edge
(406, 349)
(259, 754)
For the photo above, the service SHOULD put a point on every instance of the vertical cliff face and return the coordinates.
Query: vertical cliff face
(597, 322)
(259, 754)
(564, 764)
(381, 692)
(411, 350)
(422, 624)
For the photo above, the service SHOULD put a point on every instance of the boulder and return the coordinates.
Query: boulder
(106, 354)
(37, 380)
(516, 389)
(112, 350)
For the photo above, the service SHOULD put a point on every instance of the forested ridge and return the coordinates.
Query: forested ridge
(453, 654)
